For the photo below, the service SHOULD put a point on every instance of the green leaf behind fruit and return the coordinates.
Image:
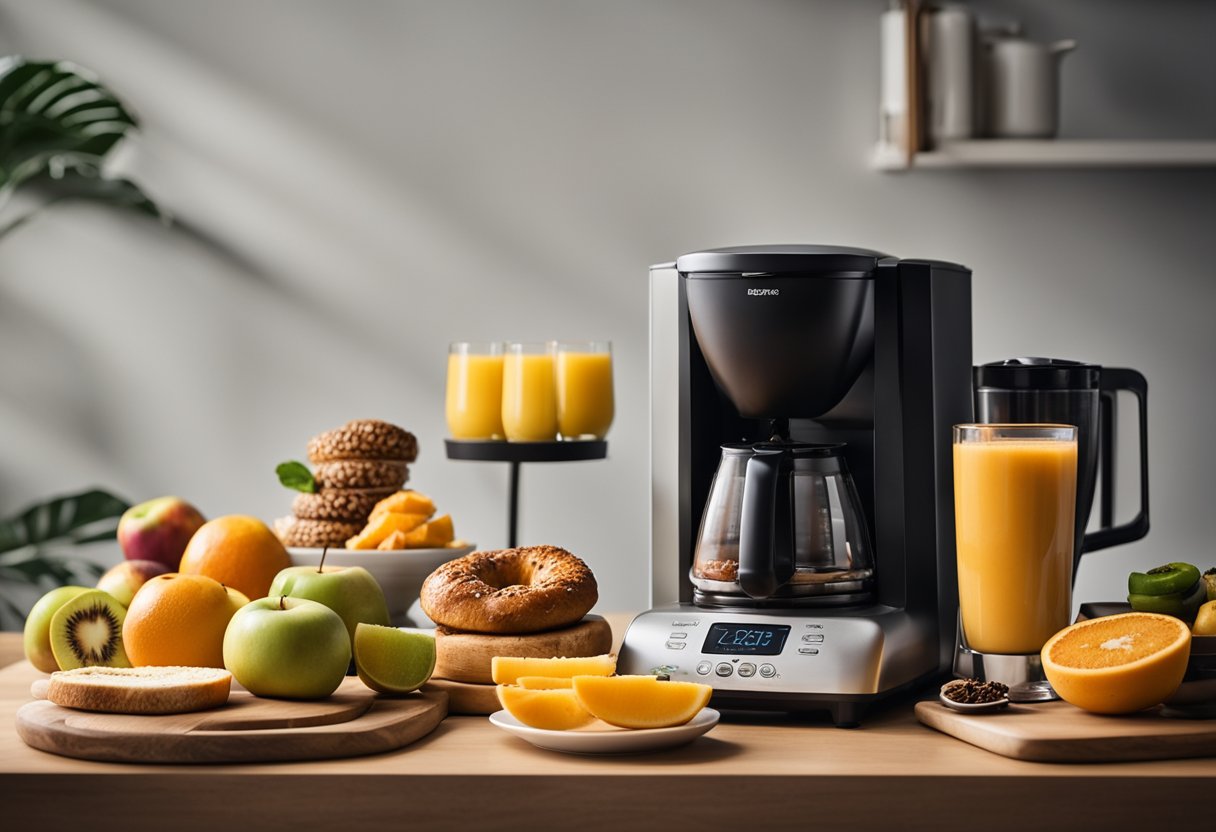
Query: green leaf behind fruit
(86, 517)
(296, 475)
(58, 124)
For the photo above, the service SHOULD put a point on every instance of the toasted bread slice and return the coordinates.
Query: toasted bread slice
(140, 690)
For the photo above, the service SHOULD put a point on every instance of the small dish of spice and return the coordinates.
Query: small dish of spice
(973, 696)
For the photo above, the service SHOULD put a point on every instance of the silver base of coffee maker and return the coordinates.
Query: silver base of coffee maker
(840, 659)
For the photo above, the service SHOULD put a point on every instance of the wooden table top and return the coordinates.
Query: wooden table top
(768, 773)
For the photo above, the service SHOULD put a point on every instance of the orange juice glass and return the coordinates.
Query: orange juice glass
(585, 405)
(1015, 489)
(474, 392)
(529, 393)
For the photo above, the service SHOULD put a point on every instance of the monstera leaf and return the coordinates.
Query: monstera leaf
(57, 126)
(86, 517)
(74, 519)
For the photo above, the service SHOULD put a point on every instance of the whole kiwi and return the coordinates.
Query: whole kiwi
(87, 631)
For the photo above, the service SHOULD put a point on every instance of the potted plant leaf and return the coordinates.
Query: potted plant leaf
(59, 126)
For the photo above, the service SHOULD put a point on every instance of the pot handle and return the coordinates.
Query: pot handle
(1115, 379)
(1062, 47)
(765, 527)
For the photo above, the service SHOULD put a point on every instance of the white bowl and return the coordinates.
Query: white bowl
(400, 572)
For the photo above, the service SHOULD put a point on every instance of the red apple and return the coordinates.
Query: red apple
(158, 530)
(122, 581)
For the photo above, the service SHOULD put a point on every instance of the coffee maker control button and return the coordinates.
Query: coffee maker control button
(703, 668)
(676, 645)
(813, 638)
(724, 669)
(809, 651)
(678, 635)
(768, 671)
(747, 669)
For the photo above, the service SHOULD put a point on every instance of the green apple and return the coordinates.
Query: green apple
(290, 648)
(38, 626)
(391, 660)
(350, 591)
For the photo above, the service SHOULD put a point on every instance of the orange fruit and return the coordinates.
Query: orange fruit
(552, 710)
(179, 619)
(640, 701)
(1119, 663)
(238, 551)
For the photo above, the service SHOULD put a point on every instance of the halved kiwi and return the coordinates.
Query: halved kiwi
(87, 631)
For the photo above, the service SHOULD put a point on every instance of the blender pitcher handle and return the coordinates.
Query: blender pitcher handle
(762, 526)
(1115, 379)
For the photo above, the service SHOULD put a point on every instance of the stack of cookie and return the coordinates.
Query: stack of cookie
(355, 466)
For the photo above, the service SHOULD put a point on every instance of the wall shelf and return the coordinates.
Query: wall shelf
(1052, 153)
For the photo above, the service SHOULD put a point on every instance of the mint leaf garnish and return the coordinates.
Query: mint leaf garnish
(296, 475)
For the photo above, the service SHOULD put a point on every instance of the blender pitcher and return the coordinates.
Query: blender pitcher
(782, 525)
(1020, 390)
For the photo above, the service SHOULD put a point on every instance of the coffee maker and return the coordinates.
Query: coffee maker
(829, 371)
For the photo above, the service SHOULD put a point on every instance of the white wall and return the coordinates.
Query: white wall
(390, 176)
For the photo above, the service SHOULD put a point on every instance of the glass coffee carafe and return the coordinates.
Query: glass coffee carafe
(782, 527)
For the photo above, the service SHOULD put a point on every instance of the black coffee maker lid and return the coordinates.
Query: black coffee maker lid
(839, 261)
(1038, 374)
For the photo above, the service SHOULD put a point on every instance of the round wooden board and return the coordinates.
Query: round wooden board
(353, 722)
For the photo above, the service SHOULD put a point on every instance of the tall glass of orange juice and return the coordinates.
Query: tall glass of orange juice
(529, 393)
(474, 392)
(1015, 489)
(585, 404)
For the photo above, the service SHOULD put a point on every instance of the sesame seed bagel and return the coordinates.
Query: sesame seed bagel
(364, 439)
(315, 534)
(362, 473)
(523, 590)
(349, 504)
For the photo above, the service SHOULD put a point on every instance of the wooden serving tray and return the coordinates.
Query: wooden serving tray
(1057, 732)
(353, 722)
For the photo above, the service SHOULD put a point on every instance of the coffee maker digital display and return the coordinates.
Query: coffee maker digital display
(749, 639)
(801, 479)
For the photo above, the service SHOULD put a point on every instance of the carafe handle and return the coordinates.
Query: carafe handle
(1115, 379)
(765, 527)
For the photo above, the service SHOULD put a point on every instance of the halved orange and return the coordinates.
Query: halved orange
(1118, 664)
(641, 701)
(553, 710)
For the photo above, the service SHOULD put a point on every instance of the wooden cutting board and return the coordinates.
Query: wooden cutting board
(353, 722)
(1056, 732)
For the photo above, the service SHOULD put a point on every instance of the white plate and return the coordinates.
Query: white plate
(605, 739)
(351, 557)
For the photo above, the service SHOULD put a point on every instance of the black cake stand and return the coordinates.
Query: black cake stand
(517, 453)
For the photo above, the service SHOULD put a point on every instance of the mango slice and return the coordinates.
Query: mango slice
(433, 535)
(381, 526)
(544, 682)
(405, 502)
(640, 701)
(552, 710)
(506, 670)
